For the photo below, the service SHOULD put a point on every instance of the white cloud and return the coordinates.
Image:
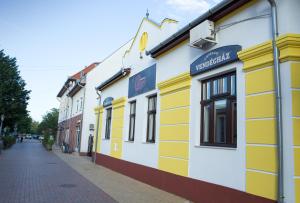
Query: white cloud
(189, 5)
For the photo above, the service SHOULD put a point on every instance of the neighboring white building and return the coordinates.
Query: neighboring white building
(72, 99)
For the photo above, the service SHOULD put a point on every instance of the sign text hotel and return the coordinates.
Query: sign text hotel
(214, 59)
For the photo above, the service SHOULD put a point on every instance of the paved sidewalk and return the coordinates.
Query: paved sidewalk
(30, 174)
(121, 188)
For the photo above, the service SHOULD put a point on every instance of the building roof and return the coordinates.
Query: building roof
(85, 70)
(116, 77)
(76, 76)
(213, 14)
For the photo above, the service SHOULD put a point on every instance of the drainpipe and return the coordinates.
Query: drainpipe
(81, 123)
(97, 128)
(280, 184)
(70, 120)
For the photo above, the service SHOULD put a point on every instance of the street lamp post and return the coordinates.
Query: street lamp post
(2, 119)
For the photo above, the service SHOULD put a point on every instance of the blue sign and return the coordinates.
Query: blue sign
(142, 82)
(107, 101)
(215, 58)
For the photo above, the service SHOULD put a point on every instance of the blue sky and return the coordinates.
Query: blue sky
(53, 39)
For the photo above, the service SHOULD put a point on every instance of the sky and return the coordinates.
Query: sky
(54, 39)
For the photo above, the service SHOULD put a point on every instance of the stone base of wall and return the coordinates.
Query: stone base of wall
(191, 189)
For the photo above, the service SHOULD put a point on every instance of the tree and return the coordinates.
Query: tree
(13, 94)
(24, 125)
(34, 127)
(48, 126)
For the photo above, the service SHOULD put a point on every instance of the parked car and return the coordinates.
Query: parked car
(41, 138)
(28, 137)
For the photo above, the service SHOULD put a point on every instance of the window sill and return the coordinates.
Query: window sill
(105, 139)
(215, 147)
(148, 142)
(129, 141)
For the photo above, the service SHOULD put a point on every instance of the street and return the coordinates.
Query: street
(29, 173)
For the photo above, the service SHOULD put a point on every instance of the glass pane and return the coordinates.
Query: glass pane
(234, 122)
(132, 108)
(224, 85)
(233, 85)
(208, 90)
(150, 127)
(220, 85)
(221, 104)
(220, 121)
(215, 87)
(204, 94)
(220, 128)
(131, 130)
(108, 113)
(152, 103)
(206, 124)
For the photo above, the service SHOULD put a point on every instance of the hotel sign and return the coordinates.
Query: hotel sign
(215, 58)
(142, 82)
(107, 101)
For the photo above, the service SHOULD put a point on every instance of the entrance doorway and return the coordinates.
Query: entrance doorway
(78, 132)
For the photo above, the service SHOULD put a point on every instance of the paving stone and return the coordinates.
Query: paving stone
(30, 174)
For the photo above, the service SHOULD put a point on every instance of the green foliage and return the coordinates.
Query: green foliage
(48, 141)
(8, 141)
(24, 125)
(48, 126)
(34, 127)
(13, 94)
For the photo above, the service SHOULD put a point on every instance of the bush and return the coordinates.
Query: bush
(48, 141)
(8, 141)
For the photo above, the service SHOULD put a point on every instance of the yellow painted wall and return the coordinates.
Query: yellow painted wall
(296, 129)
(261, 131)
(260, 106)
(295, 72)
(259, 81)
(295, 85)
(98, 112)
(296, 102)
(174, 124)
(297, 190)
(261, 157)
(116, 145)
(261, 184)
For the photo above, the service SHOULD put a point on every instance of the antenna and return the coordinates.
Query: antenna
(147, 14)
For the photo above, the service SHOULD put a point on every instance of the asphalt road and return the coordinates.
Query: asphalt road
(29, 173)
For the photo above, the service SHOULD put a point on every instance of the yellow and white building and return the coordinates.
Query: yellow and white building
(195, 112)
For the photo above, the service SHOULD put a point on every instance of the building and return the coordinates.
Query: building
(198, 113)
(72, 102)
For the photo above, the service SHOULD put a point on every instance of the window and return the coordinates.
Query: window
(81, 103)
(77, 105)
(218, 111)
(151, 119)
(108, 123)
(132, 120)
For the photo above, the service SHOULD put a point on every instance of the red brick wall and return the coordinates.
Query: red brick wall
(70, 124)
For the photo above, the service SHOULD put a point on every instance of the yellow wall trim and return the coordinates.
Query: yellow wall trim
(261, 158)
(295, 72)
(261, 184)
(177, 83)
(256, 57)
(120, 102)
(261, 55)
(98, 109)
(289, 46)
(159, 26)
